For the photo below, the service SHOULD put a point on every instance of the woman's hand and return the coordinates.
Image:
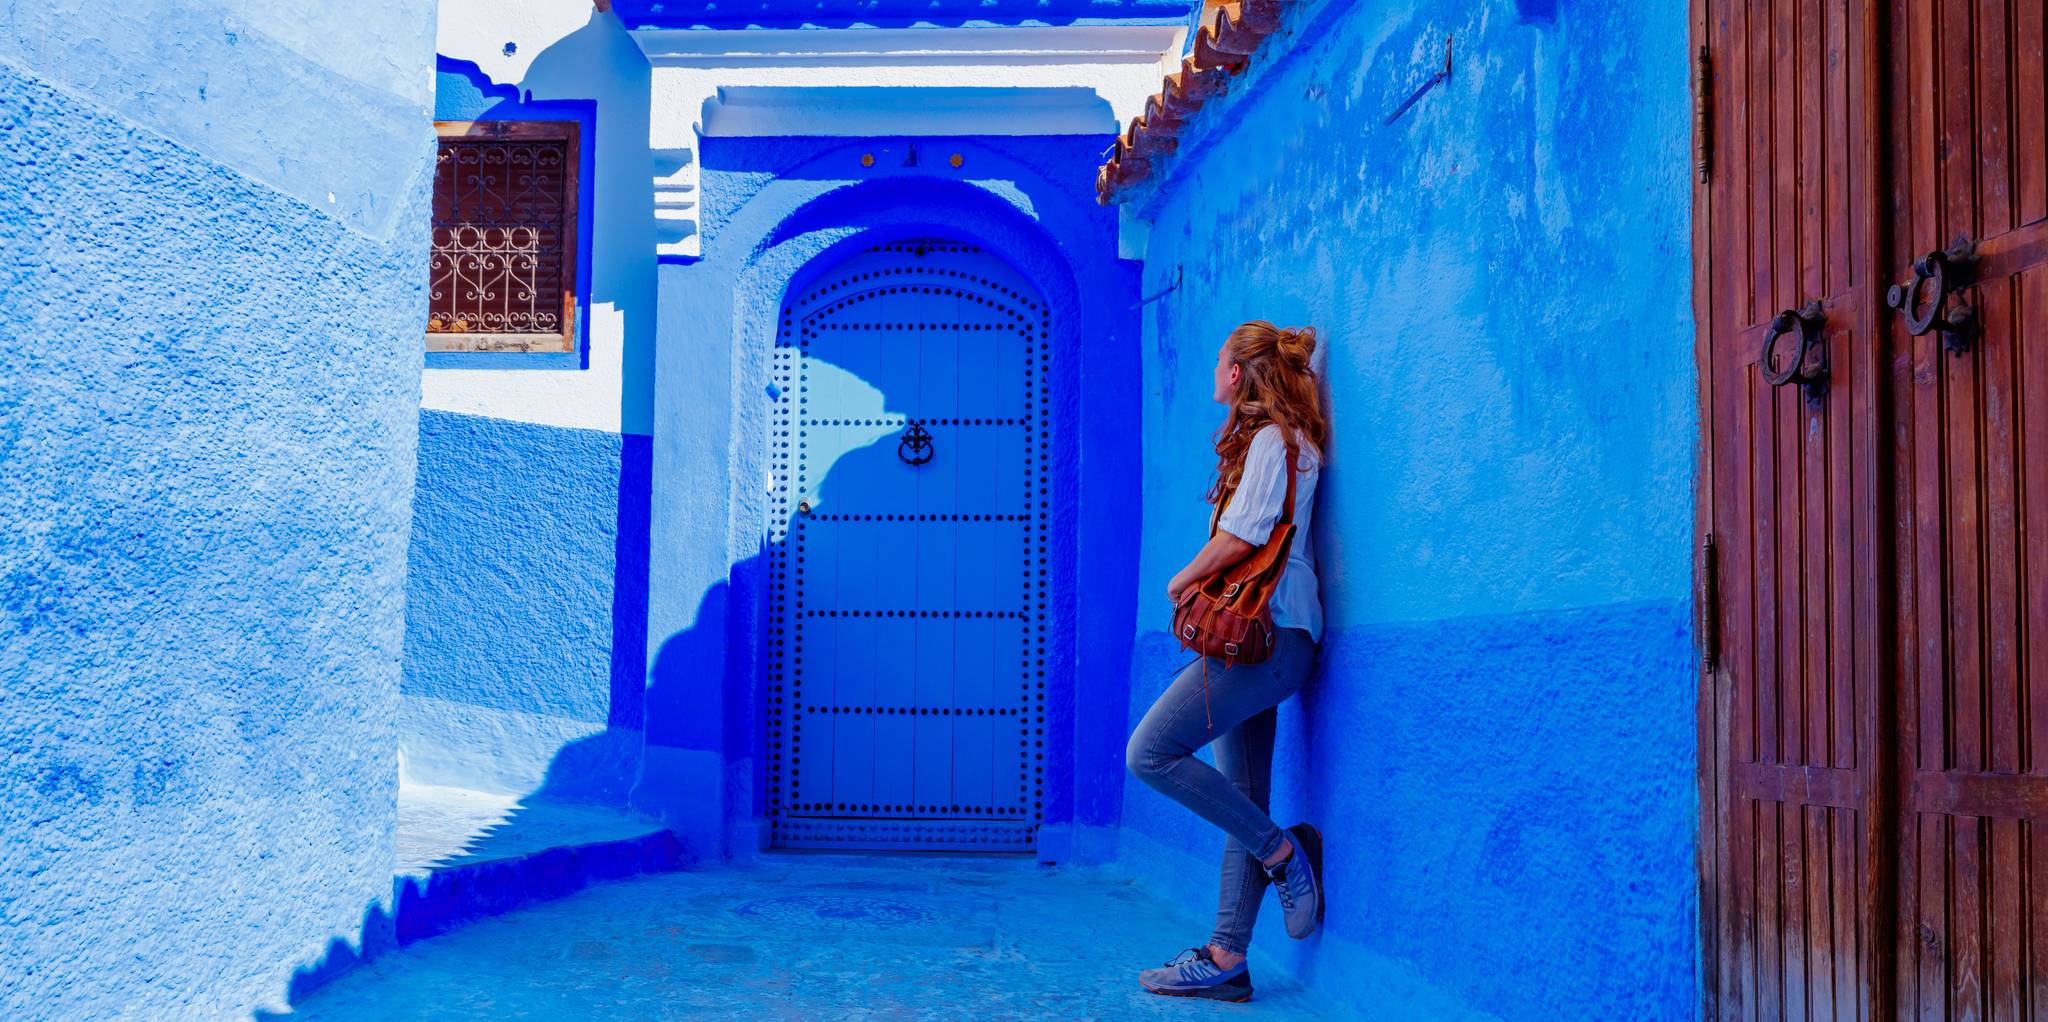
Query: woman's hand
(1222, 551)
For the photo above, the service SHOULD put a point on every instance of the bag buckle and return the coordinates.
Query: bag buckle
(1230, 649)
(1187, 632)
(1231, 591)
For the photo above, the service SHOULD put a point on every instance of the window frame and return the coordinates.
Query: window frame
(553, 342)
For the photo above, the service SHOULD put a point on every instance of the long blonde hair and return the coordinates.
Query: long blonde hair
(1275, 386)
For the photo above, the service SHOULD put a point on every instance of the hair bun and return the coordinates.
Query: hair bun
(1297, 344)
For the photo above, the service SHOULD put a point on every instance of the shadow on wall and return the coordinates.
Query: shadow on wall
(621, 202)
(616, 249)
(701, 748)
(622, 273)
(522, 609)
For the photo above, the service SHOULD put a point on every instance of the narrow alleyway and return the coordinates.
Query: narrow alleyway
(811, 937)
(477, 468)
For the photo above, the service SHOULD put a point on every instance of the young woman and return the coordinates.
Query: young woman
(1276, 413)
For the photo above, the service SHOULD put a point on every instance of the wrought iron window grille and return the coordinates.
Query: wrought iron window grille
(502, 274)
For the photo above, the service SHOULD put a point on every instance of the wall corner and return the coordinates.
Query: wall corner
(1133, 233)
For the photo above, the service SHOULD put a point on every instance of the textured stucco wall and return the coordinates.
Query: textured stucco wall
(525, 658)
(208, 426)
(307, 100)
(1499, 745)
(523, 667)
(773, 208)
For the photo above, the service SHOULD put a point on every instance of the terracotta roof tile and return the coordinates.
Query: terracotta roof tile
(1223, 48)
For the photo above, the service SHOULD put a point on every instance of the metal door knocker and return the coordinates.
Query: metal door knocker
(1809, 365)
(1949, 272)
(916, 446)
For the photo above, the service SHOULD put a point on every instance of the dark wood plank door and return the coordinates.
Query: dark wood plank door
(1875, 709)
(1794, 476)
(1970, 162)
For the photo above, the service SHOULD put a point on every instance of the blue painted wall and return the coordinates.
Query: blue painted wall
(1499, 747)
(213, 251)
(773, 210)
(526, 637)
(526, 608)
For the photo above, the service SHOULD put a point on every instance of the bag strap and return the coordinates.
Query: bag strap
(1286, 506)
(1287, 509)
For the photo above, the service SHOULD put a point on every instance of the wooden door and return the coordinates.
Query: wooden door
(1791, 496)
(906, 697)
(1969, 136)
(1874, 716)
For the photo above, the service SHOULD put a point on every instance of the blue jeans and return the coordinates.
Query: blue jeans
(1237, 714)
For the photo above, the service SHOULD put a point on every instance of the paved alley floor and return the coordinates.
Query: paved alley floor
(811, 937)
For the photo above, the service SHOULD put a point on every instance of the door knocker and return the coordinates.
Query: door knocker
(916, 446)
(1809, 365)
(1949, 272)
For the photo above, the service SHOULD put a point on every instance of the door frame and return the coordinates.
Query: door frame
(1055, 235)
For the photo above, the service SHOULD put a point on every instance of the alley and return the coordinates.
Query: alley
(674, 509)
(822, 936)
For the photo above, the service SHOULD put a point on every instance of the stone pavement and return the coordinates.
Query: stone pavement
(812, 937)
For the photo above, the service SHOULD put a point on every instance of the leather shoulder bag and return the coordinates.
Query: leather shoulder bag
(1226, 615)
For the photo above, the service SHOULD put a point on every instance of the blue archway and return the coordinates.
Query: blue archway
(805, 218)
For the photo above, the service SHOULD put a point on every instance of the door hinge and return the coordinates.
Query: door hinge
(1702, 114)
(1709, 605)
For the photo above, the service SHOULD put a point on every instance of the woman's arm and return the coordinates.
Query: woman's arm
(1222, 551)
(1249, 518)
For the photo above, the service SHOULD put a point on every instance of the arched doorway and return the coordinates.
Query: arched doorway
(906, 696)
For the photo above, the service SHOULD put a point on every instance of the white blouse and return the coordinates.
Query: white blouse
(1254, 510)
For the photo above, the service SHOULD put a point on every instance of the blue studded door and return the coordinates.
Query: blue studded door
(906, 696)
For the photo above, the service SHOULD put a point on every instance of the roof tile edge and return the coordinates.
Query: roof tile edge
(1223, 48)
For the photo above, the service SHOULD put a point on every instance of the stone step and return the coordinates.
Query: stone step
(468, 855)
(465, 855)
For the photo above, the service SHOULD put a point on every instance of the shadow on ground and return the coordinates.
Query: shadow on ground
(797, 936)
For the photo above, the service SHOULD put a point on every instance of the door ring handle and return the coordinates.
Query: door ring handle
(1949, 271)
(916, 446)
(1809, 365)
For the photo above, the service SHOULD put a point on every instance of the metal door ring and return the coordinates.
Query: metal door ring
(1809, 365)
(916, 446)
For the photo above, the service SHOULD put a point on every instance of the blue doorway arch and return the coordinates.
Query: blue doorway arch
(709, 750)
(911, 464)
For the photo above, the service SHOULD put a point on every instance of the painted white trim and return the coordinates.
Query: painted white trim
(909, 47)
(684, 95)
(857, 110)
(930, 77)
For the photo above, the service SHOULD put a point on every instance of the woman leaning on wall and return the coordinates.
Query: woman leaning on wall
(1248, 604)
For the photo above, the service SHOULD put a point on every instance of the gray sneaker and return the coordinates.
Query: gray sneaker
(1192, 973)
(1299, 881)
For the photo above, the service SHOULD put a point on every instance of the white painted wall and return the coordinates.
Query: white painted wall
(567, 50)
